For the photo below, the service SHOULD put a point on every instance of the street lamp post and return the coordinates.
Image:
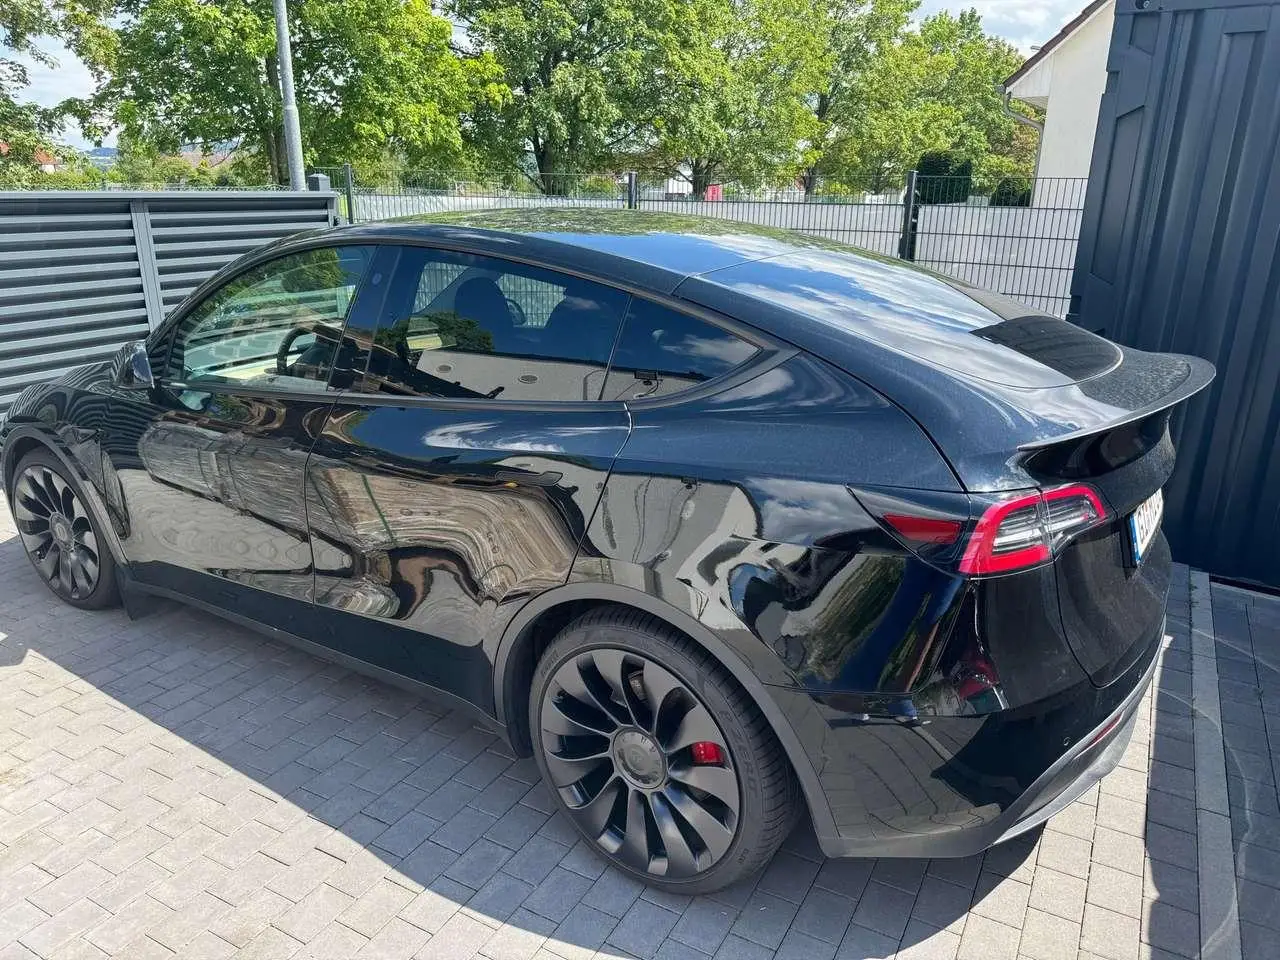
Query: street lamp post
(292, 131)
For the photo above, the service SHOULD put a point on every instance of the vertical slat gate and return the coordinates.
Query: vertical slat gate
(1178, 252)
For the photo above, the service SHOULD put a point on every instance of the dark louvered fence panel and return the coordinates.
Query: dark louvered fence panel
(83, 273)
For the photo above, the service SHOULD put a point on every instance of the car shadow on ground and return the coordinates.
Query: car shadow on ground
(207, 763)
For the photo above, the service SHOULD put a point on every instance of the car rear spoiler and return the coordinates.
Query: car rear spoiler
(1200, 374)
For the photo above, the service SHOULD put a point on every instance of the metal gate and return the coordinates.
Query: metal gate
(82, 273)
(1180, 250)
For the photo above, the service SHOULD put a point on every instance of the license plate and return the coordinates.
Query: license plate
(1144, 522)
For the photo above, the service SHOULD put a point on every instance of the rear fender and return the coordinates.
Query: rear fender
(678, 606)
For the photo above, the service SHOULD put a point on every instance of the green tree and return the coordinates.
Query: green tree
(25, 128)
(589, 78)
(372, 76)
(858, 34)
(745, 114)
(931, 89)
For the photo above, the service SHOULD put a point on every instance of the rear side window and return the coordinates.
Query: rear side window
(662, 351)
(460, 326)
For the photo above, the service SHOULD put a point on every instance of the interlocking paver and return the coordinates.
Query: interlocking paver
(435, 906)
(461, 936)
(185, 785)
(1058, 893)
(824, 915)
(641, 931)
(985, 939)
(705, 925)
(941, 903)
(1049, 937)
(581, 933)
(923, 942)
(1001, 898)
(1109, 934)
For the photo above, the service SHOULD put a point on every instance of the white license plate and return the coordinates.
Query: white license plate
(1144, 523)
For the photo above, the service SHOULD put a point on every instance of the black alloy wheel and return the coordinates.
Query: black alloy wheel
(59, 535)
(640, 764)
(650, 769)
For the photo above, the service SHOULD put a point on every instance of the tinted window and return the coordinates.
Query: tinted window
(279, 324)
(662, 351)
(462, 326)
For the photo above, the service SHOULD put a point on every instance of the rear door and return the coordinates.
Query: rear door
(454, 479)
(206, 470)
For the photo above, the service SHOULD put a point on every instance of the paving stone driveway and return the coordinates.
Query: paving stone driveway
(178, 785)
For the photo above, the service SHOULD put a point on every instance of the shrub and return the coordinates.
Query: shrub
(1012, 192)
(944, 177)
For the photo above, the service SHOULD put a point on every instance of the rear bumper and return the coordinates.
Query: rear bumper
(1080, 769)
(1093, 756)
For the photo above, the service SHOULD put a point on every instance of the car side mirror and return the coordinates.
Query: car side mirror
(133, 367)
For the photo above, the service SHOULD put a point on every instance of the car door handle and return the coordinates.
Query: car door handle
(548, 478)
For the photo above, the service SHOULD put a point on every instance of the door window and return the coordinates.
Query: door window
(462, 326)
(279, 324)
(662, 351)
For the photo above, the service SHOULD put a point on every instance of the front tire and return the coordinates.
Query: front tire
(59, 534)
(656, 755)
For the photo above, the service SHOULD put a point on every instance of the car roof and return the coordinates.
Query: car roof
(647, 250)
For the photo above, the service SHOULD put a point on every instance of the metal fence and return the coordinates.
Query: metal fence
(83, 272)
(1016, 236)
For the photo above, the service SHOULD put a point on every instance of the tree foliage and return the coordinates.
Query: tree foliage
(28, 130)
(589, 79)
(746, 115)
(858, 35)
(372, 76)
(932, 89)
(842, 96)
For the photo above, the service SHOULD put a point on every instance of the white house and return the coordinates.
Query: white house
(1065, 78)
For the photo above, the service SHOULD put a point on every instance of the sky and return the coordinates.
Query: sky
(1024, 23)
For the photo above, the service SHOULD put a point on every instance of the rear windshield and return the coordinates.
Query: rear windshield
(943, 322)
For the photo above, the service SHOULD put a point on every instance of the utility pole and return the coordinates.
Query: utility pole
(292, 132)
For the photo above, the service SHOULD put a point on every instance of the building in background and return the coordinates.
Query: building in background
(1065, 78)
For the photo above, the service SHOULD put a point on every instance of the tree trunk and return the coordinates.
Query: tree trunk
(810, 180)
(273, 135)
(550, 180)
(700, 177)
(810, 177)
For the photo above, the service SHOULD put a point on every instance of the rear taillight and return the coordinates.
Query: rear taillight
(1027, 530)
(985, 534)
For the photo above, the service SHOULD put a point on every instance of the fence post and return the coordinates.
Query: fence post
(910, 216)
(349, 186)
(144, 243)
(633, 191)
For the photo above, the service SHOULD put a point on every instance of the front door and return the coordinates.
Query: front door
(206, 470)
(455, 479)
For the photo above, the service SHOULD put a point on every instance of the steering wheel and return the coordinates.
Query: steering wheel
(518, 312)
(282, 355)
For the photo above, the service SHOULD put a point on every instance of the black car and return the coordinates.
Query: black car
(719, 523)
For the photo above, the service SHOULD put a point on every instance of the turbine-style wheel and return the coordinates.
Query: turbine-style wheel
(653, 771)
(59, 535)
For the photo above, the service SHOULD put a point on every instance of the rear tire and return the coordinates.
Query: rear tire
(60, 535)
(656, 754)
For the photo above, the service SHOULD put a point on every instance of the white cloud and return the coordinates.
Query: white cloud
(52, 83)
(1024, 23)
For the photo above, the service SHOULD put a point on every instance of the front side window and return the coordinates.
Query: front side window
(461, 326)
(662, 351)
(278, 324)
